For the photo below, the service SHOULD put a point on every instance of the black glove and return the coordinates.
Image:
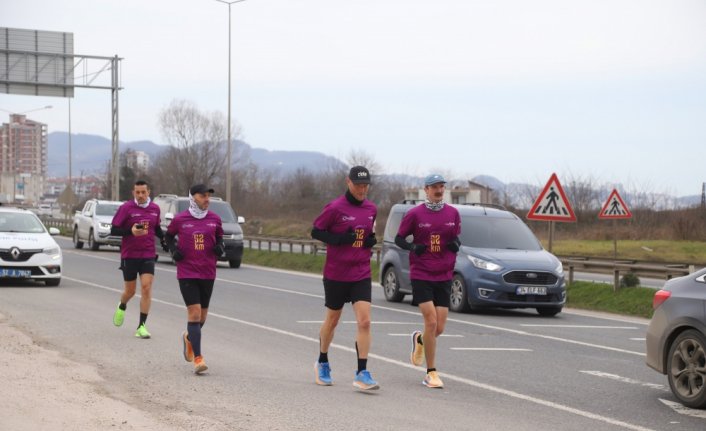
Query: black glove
(347, 237)
(370, 241)
(454, 245)
(176, 255)
(163, 243)
(219, 249)
(418, 249)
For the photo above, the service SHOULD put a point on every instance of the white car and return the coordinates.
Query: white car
(27, 250)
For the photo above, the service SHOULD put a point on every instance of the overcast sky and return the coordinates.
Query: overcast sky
(611, 90)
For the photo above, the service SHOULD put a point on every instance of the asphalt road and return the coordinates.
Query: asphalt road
(502, 369)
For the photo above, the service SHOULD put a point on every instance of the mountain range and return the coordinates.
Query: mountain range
(91, 155)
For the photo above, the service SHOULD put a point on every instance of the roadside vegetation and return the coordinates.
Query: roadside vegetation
(631, 301)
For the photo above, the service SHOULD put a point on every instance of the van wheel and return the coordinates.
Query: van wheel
(77, 243)
(548, 311)
(92, 244)
(391, 286)
(459, 295)
(235, 263)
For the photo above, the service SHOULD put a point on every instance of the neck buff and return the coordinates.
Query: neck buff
(434, 206)
(144, 205)
(350, 198)
(194, 209)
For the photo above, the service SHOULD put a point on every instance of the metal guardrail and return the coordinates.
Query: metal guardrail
(571, 264)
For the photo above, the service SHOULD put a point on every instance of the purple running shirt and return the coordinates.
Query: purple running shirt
(196, 239)
(347, 262)
(435, 229)
(129, 214)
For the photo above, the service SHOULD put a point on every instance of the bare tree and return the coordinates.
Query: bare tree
(197, 148)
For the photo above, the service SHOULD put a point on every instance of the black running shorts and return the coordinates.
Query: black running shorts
(196, 291)
(338, 293)
(437, 291)
(132, 267)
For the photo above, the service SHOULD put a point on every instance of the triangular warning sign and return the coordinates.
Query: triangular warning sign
(552, 204)
(614, 207)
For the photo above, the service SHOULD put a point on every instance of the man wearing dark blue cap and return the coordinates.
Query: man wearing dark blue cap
(435, 227)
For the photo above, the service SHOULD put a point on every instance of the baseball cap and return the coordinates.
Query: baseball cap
(434, 179)
(359, 175)
(200, 188)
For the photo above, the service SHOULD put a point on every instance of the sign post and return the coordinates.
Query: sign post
(552, 205)
(614, 208)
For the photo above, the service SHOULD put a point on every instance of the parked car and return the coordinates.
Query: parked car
(500, 264)
(170, 205)
(92, 224)
(676, 337)
(27, 250)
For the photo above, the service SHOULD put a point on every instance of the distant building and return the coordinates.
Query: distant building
(138, 161)
(87, 186)
(457, 194)
(23, 159)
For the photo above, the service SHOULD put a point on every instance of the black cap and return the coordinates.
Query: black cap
(200, 188)
(359, 175)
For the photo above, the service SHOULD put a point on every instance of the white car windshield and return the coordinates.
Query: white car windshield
(20, 222)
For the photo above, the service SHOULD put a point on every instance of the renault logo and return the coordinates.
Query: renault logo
(15, 252)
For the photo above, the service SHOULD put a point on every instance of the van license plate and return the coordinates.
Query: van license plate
(531, 290)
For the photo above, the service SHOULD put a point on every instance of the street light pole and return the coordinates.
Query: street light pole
(230, 145)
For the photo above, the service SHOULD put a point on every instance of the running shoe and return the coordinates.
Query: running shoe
(432, 380)
(119, 316)
(199, 365)
(188, 350)
(323, 373)
(142, 332)
(417, 355)
(364, 381)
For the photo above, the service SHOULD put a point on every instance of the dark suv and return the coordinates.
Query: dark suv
(170, 205)
(500, 264)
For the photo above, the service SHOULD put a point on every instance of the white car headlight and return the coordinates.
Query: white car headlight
(51, 251)
(104, 225)
(484, 264)
(559, 269)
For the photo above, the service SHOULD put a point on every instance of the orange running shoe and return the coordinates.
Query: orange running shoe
(188, 350)
(199, 365)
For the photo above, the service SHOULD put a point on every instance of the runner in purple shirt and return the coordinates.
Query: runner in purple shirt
(435, 227)
(195, 239)
(137, 221)
(347, 226)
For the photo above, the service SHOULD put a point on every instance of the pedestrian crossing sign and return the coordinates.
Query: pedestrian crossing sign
(552, 204)
(614, 207)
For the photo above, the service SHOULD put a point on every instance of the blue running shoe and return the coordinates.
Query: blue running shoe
(323, 373)
(364, 381)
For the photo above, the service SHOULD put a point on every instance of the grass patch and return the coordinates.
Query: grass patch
(631, 301)
(691, 252)
(294, 261)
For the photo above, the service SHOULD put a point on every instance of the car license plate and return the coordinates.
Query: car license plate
(15, 273)
(531, 290)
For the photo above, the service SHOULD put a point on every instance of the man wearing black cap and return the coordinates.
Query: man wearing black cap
(200, 244)
(347, 226)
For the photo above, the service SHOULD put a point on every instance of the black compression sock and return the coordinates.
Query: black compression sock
(429, 370)
(122, 306)
(323, 357)
(362, 364)
(143, 319)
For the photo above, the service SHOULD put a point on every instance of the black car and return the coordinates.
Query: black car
(170, 205)
(676, 337)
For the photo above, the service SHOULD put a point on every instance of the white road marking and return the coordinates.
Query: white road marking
(442, 335)
(492, 349)
(579, 326)
(625, 380)
(450, 377)
(684, 410)
(638, 339)
(372, 322)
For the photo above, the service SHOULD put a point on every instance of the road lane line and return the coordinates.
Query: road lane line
(625, 379)
(442, 335)
(419, 315)
(527, 325)
(451, 377)
(492, 349)
(684, 410)
(639, 339)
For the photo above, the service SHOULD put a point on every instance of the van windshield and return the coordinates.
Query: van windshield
(497, 233)
(224, 211)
